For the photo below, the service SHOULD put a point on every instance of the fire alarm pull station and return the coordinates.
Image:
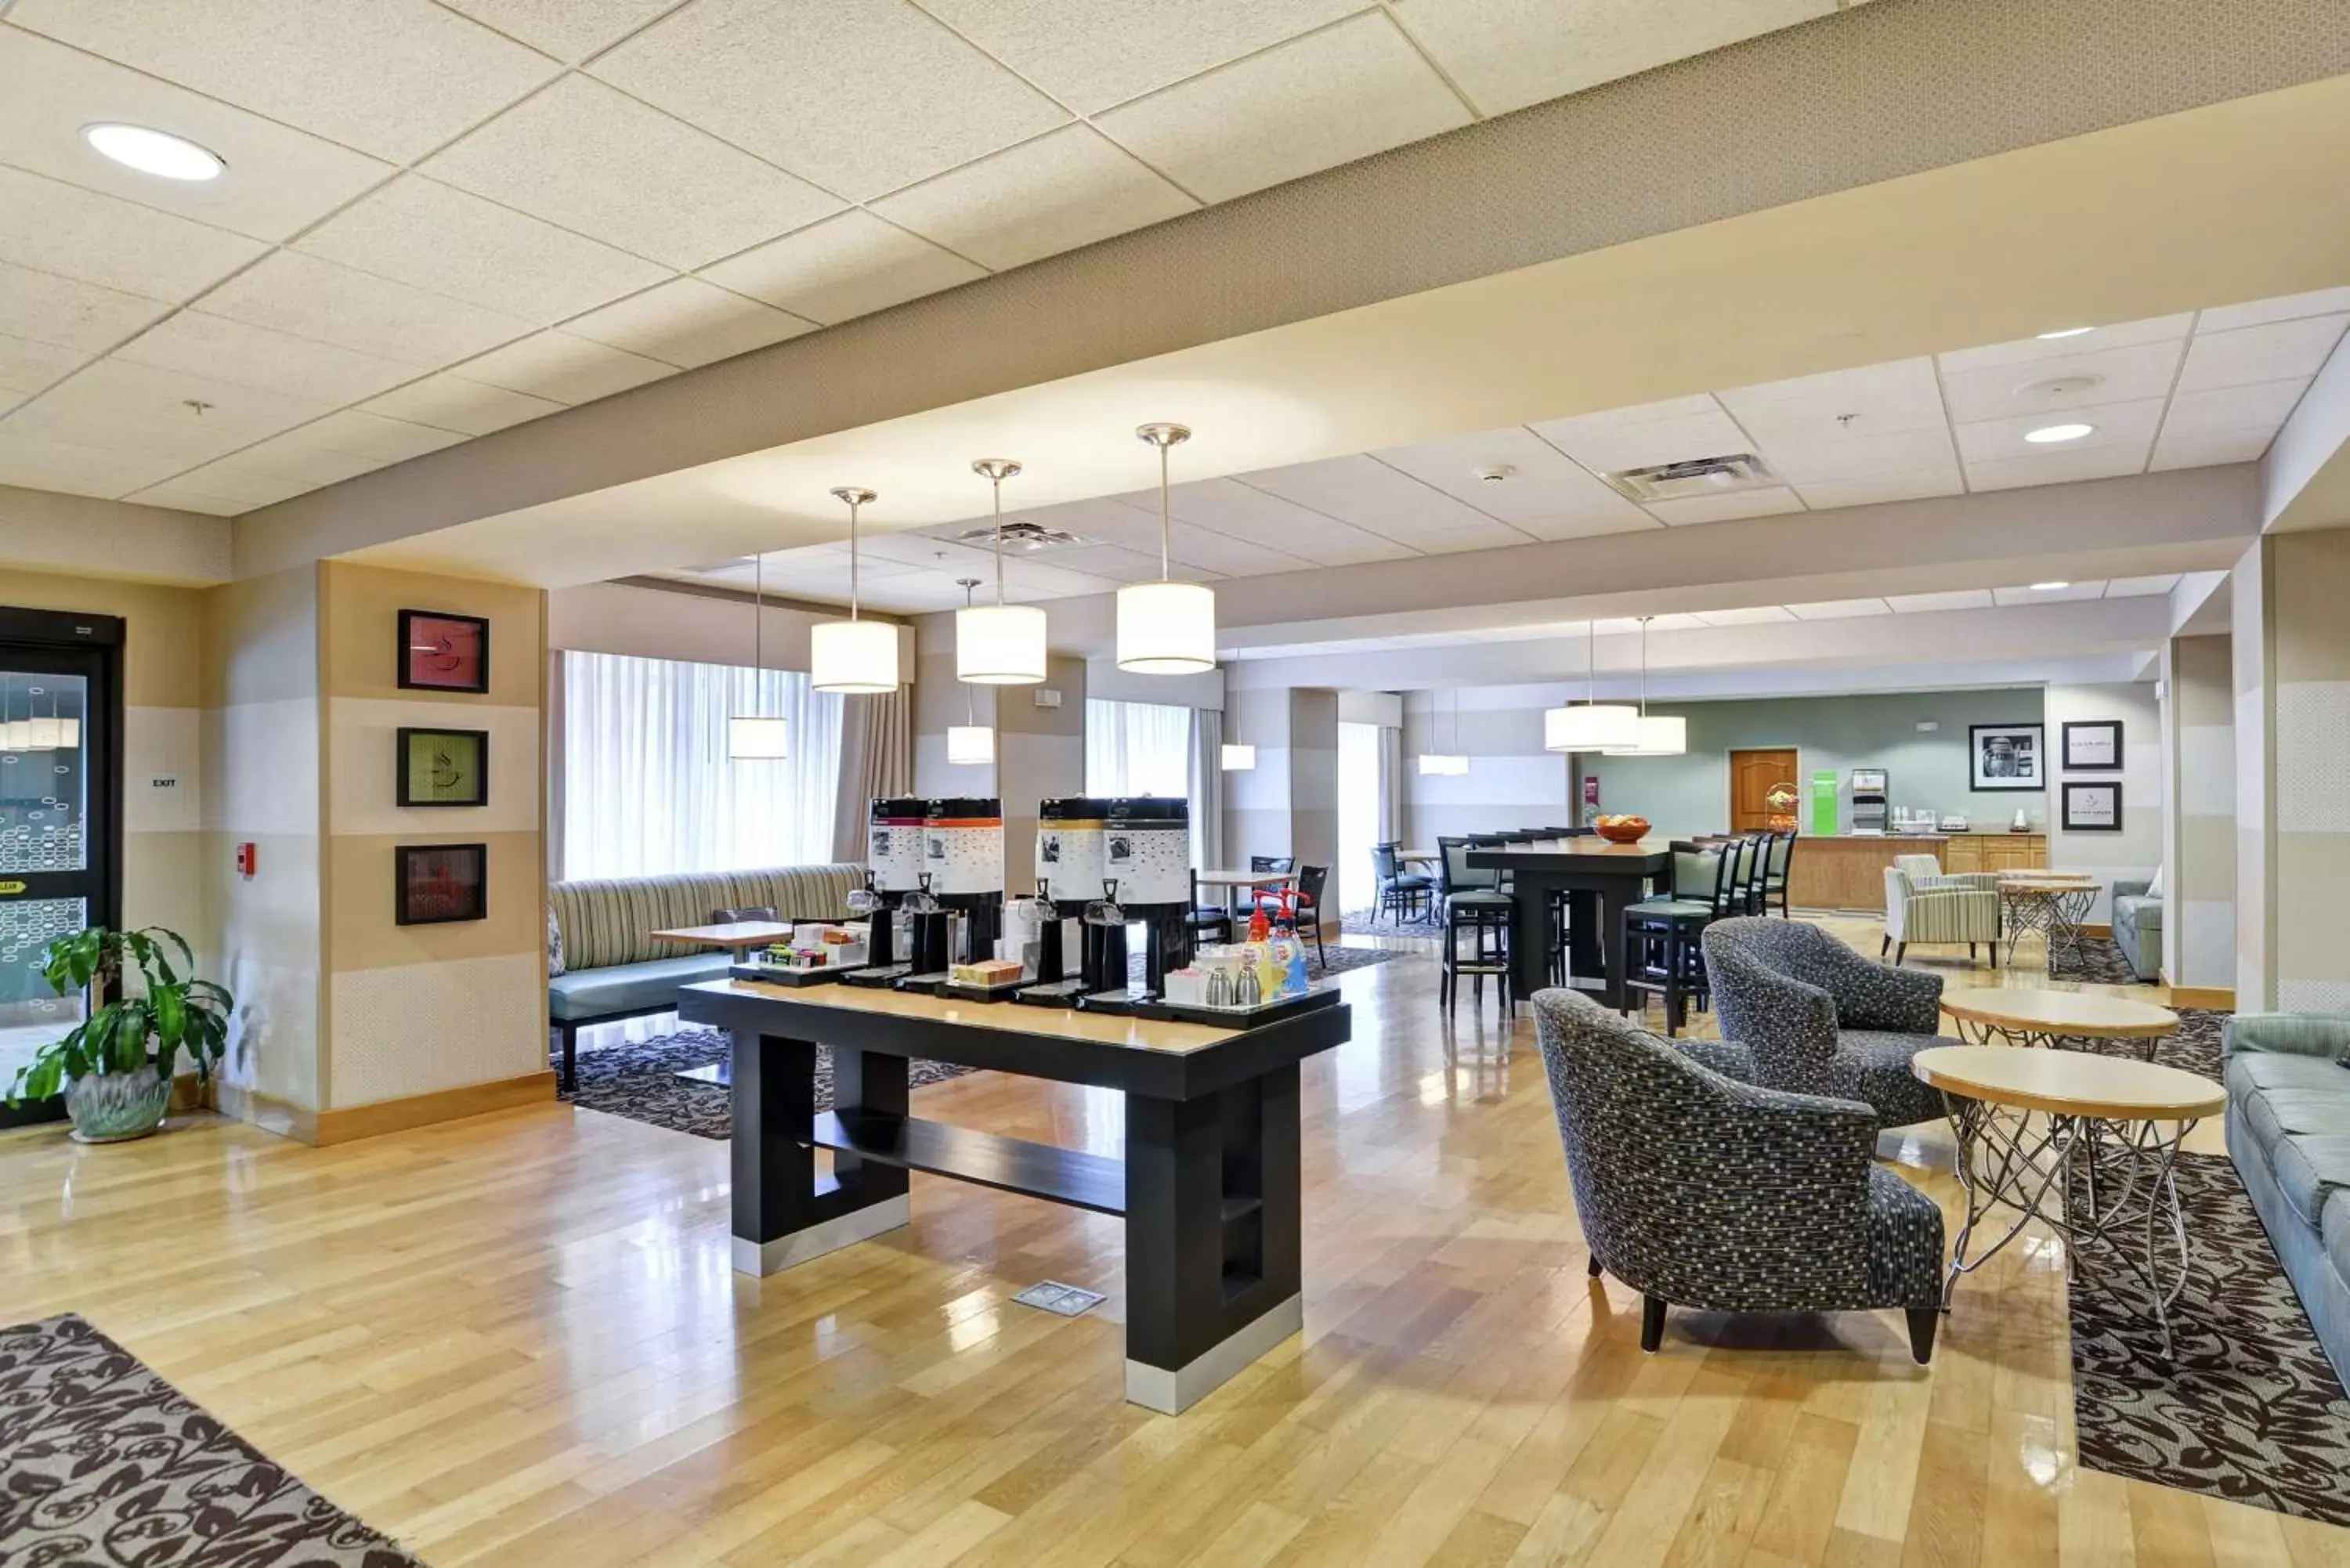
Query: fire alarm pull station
(245, 860)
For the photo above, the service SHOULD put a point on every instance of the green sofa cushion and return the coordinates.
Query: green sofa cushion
(2310, 1169)
(646, 987)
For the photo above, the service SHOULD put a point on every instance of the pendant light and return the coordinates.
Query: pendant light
(999, 644)
(1662, 735)
(1166, 627)
(971, 743)
(853, 655)
(752, 737)
(1239, 759)
(1444, 764)
(1594, 726)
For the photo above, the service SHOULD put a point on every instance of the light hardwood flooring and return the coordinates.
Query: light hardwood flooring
(517, 1340)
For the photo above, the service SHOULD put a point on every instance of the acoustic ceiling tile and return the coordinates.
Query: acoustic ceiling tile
(570, 30)
(1647, 435)
(562, 368)
(598, 163)
(31, 462)
(1839, 609)
(1324, 99)
(2031, 351)
(259, 357)
(687, 323)
(2176, 452)
(1067, 188)
(2275, 351)
(1385, 501)
(845, 266)
(27, 367)
(861, 96)
(281, 459)
(1878, 489)
(355, 433)
(47, 308)
(2261, 406)
(2257, 311)
(1864, 402)
(1949, 600)
(2058, 467)
(2066, 382)
(1751, 614)
(2130, 424)
(1540, 491)
(182, 494)
(291, 291)
(2141, 587)
(433, 236)
(1854, 457)
(64, 229)
(209, 409)
(453, 404)
(393, 77)
(1765, 503)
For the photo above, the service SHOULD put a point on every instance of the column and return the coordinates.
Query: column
(2198, 929)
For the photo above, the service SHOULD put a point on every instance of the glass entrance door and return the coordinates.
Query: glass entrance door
(58, 835)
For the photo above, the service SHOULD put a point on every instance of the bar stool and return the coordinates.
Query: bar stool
(1661, 950)
(1474, 904)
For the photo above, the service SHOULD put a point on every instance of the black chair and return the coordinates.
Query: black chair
(1662, 937)
(1774, 877)
(1303, 903)
(1206, 918)
(1758, 876)
(1264, 865)
(1406, 892)
(1474, 905)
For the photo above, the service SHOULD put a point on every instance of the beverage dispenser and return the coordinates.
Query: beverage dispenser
(1068, 866)
(1146, 857)
(962, 839)
(893, 868)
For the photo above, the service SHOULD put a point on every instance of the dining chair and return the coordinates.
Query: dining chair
(1403, 891)
(1202, 918)
(1474, 904)
(1662, 937)
(1301, 901)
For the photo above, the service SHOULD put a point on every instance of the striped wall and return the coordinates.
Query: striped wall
(1257, 800)
(2250, 661)
(415, 1009)
(2198, 929)
(1512, 782)
(2135, 850)
(1040, 754)
(2308, 720)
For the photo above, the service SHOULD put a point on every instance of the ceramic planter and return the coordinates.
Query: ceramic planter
(114, 1107)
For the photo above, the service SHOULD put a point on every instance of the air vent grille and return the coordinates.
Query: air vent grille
(1022, 535)
(1693, 476)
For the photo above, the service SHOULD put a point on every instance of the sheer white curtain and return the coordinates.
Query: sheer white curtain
(1138, 748)
(648, 786)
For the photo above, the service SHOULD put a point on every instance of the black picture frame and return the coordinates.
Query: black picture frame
(2082, 789)
(477, 768)
(2081, 732)
(468, 674)
(440, 884)
(1992, 746)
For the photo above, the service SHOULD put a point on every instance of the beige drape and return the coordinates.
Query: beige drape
(877, 758)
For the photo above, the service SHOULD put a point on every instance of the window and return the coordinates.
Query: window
(648, 787)
(1138, 748)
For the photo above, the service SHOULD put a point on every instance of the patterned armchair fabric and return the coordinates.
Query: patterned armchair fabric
(1926, 872)
(1822, 1020)
(1938, 909)
(1700, 1189)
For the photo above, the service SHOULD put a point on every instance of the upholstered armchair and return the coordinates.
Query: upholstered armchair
(1701, 1188)
(1822, 1020)
(1938, 909)
(1926, 872)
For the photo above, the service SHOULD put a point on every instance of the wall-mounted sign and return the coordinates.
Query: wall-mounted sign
(10, 889)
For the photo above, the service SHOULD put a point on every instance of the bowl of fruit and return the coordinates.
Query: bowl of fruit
(1622, 829)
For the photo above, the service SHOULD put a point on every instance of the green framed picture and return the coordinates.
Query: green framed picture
(444, 767)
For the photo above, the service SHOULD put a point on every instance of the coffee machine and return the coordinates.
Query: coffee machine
(893, 870)
(1147, 874)
(963, 873)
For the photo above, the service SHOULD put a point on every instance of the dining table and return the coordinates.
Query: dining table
(1599, 879)
(1233, 881)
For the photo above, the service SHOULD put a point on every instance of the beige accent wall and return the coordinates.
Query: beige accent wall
(1257, 800)
(2252, 661)
(1040, 754)
(2199, 926)
(2308, 722)
(2136, 851)
(417, 1010)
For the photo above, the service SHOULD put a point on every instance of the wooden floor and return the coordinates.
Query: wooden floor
(518, 1340)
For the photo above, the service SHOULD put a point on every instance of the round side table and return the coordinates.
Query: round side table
(1996, 1015)
(2051, 903)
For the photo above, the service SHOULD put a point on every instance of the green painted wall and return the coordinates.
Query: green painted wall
(1690, 794)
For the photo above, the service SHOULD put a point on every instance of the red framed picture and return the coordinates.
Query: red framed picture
(441, 883)
(441, 652)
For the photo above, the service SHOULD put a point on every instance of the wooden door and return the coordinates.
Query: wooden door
(1752, 775)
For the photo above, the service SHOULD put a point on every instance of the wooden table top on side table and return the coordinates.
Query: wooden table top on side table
(736, 936)
(2087, 1145)
(2020, 1016)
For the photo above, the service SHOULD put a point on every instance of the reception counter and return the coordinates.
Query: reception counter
(1846, 871)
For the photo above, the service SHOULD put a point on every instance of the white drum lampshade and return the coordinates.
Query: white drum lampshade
(853, 656)
(1444, 764)
(1166, 629)
(1239, 759)
(969, 745)
(999, 645)
(753, 738)
(1590, 727)
(1659, 735)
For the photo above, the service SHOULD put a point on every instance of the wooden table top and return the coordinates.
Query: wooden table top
(2082, 1013)
(734, 934)
(2055, 881)
(1009, 1017)
(2069, 1082)
(1246, 878)
(1591, 847)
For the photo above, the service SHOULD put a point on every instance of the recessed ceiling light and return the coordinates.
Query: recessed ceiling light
(2047, 434)
(2049, 587)
(153, 152)
(2064, 332)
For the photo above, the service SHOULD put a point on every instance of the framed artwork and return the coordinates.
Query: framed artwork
(2006, 757)
(2092, 805)
(441, 652)
(2093, 746)
(444, 767)
(441, 883)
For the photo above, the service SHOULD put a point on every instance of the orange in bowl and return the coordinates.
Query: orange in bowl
(1622, 829)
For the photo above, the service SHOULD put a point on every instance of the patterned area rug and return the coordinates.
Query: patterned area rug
(2247, 1409)
(2097, 958)
(640, 1081)
(105, 1465)
(1363, 923)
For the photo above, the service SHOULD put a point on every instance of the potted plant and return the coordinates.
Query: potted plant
(116, 1065)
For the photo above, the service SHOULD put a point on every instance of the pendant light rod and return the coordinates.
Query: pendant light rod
(1644, 664)
(856, 495)
(1164, 434)
(758, 619)
(970, 712)
(996, 470)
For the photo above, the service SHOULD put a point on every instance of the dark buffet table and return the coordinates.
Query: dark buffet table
(1209, 1187)
(1601, 880)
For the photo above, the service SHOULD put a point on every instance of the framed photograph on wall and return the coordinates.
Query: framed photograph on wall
(2092, 805)
(2093, 745)
(444, 767)
(2006, 756)
(441, 652)
(441, 883)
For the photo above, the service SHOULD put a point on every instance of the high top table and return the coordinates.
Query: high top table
(1600, 879)
(1209, 1187)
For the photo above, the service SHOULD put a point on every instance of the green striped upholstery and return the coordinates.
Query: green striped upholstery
(1925, 872)
(1937, 913)
(604, 921)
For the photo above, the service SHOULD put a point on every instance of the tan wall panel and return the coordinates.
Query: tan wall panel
(162, 642)
(360, 906)
(261, 639)
(162, 885)
(363, 606)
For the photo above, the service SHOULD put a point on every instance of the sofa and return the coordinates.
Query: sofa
(1822, 1020)
(602, 966)
(1699, 1187)
(2138, 926)
(2289, 1133)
